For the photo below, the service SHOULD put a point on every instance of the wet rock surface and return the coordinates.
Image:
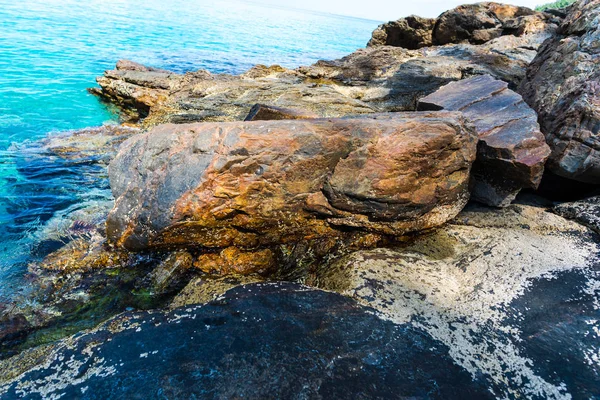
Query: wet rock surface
(586, 212)
(286, 340)
(511, 152)
(563, 86)
(513, 293)
(258, 184)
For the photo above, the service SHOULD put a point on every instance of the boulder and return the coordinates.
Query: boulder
(470, 23)
(258, 184)
(512, 292)
(511, 151)
(412, 33)
(263, 112)
(482, 22)
(563, 86)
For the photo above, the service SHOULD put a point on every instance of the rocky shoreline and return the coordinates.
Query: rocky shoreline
(404, 190)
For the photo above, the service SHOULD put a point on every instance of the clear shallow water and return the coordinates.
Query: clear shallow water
(51, 51)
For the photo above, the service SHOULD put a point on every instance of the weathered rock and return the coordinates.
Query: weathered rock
(563, 86)
(170, 271)
(262, 112)
(470, 23)
(586, 212)
(204, 289)
(258, 184)
(258, 341)
(376, 79)
(512, 292)
(412, 33)
(482, 22)
(511, 151)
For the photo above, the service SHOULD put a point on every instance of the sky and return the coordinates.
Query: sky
(385, 10)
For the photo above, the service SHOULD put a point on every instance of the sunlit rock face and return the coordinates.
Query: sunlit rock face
(563, 86)
(257, 184)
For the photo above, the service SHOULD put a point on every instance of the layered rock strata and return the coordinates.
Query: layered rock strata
(563, 86)
(257, 184)
(511, 152)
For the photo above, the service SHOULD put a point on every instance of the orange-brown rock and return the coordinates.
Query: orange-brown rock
(258, 184)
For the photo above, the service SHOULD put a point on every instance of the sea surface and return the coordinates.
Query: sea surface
(52, 50)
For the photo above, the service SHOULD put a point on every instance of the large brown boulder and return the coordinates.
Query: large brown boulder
(258, 184)
(482, 22)
(411, 33)
(563, 86)
(512, 151)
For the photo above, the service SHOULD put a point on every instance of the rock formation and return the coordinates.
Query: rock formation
(264, 183)
(412, 33)
(470, 23)
(511, 152)
(371, 80)
(503, 289)
(563, 86)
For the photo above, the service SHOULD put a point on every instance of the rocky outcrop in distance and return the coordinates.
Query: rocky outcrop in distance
(511, 151)
(471, 23)
(257, 184)
(563, 86)
(372, 80)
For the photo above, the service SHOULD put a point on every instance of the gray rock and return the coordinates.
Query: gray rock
(586, 212)
(563, 86)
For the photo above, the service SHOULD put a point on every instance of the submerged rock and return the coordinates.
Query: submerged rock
(257, 341)
(511, 152)
(563, 86)
(258, 184)
(511, 292)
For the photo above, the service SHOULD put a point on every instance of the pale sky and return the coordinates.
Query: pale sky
(385, 10)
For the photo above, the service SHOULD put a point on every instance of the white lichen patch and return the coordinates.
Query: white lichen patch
(456, 285)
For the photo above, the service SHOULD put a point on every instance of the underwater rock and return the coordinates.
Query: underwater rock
(563, 86)
(285, 340)
(511, 151)
(512, 292)
(252, 185)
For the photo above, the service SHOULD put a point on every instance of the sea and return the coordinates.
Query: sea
(51, 51)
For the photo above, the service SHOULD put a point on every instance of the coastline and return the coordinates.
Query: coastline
(472, 278)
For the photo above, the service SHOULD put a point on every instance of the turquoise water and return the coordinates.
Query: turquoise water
(51, 51)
